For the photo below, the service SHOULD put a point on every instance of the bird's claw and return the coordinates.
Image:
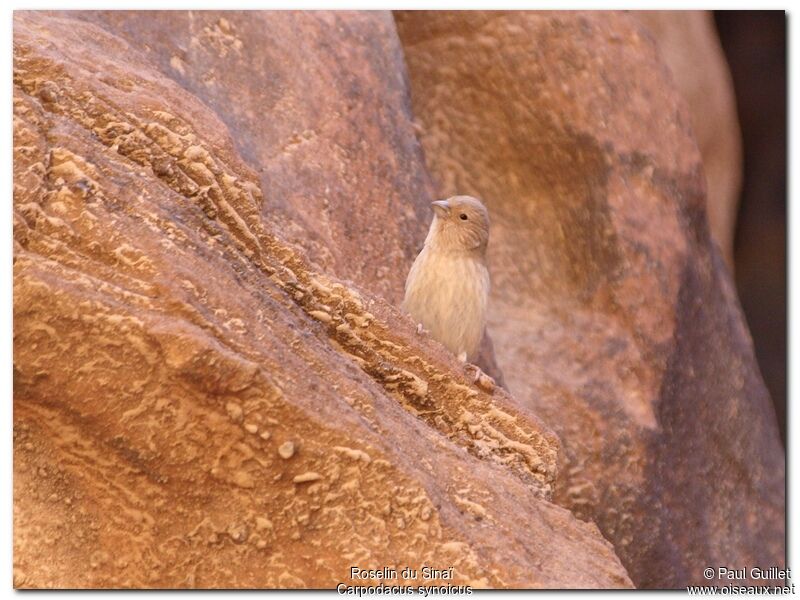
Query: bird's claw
(421, 330)
(479, 378)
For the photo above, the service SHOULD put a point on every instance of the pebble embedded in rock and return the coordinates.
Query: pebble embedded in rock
(286, 450)
(234, 412)
(306, 477)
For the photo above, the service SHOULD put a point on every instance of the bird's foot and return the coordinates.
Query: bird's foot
(421, 330)
(479, 378)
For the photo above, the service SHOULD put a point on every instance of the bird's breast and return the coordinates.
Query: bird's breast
(449, 294)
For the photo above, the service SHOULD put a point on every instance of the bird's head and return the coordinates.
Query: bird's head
(460, 223)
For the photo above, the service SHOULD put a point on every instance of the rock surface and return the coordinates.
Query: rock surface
(318, 155)
(688, 43)
(211, 385)
(303, 110)
(613, 317)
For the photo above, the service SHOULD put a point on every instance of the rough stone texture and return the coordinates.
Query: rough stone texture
(202, 397)
(350, 147)
(302, 106)
(612, 315)
(688, 43)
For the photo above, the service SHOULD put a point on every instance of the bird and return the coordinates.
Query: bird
(447, 288)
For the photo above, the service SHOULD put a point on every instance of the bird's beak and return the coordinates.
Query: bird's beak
(441, 208)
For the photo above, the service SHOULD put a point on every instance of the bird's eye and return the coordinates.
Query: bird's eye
(462, 216)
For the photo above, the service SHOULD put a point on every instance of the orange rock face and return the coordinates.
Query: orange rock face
(613, 317)
(213, 387)
(213, 217)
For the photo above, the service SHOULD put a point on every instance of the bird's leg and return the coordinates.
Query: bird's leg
(479, 378)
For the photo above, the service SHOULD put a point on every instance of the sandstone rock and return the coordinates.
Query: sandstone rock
(344, 169)
(167, 301)
(341, 169)
(613, 316)
(688, 44)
